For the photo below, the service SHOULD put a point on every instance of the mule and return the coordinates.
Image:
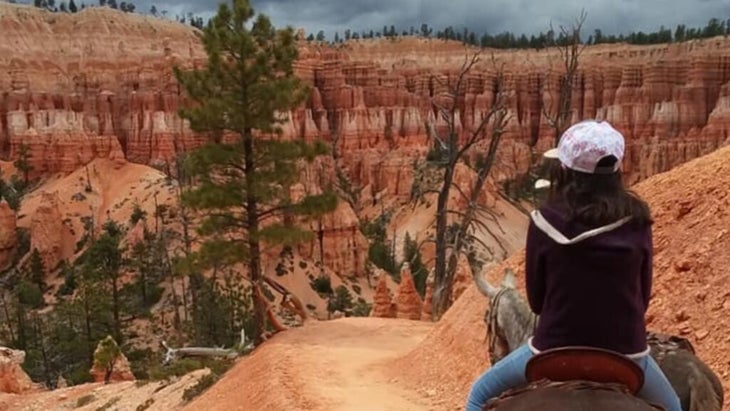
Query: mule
(510, 323)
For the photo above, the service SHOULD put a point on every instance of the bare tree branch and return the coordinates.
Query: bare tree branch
(495, 118)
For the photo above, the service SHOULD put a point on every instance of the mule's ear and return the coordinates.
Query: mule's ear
(484, 287)
(509, 278)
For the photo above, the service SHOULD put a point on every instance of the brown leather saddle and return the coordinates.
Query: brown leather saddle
(587, 364)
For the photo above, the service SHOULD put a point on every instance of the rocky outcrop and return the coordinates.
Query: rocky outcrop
(8, 238)
(383, 305)
(12, 377)
(408, 302)
(48, 233)
(338, 241)
(121, 370)
(94, 83)
(371, 98)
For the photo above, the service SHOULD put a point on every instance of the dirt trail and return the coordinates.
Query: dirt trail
(324, 366)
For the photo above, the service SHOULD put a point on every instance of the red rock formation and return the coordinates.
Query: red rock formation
(120, 372)
(338, 241)
(48, 233)
(367, 96)
(74, 94)
(8, 238)
(382, 302)
(407, 300)
(12, 377)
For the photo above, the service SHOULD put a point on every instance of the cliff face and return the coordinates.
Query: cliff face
(99, 84)
(74, 87)
(93, 84)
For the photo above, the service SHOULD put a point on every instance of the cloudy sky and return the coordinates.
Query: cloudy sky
(493, 16)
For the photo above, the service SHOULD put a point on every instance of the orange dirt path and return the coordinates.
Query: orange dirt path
(323, 366)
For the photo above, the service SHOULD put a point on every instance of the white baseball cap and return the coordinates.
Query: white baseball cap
(584, 144)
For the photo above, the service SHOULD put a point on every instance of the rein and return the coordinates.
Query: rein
(493, 329)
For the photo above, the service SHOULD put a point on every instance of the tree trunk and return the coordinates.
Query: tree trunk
(87, 321)
(187, 241)
(442, 289)
(168, 262)
(7, 317)
(143, 279)
(108, 372)
(185, 300)
(115, 311)
(320, 238)
(254, 264)
(44, 352)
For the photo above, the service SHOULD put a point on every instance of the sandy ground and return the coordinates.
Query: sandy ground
(323, 366)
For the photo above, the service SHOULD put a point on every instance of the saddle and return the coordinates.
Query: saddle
(569, 396)
(585, 364)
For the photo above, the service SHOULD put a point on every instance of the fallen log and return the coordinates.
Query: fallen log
(173, 354)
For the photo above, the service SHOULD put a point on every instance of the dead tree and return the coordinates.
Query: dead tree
(557, 114)
(173, 354)
(289, 300)
(569, 48)
(449, 152)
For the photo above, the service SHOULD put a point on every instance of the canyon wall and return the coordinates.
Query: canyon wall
(98, 83)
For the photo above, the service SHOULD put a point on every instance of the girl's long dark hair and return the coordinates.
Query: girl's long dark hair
(596, 199)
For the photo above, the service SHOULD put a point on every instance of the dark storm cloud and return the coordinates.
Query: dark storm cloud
(494, 16)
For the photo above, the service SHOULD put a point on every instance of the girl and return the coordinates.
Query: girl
(588, 266)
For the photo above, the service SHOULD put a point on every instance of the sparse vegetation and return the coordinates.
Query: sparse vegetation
(341, 300)
(106, 357)
(362, 308)
(109, 404)
(85, 400)
(137, 214)
(203, 384)
(380, 250)
(145, 405)
(322, 285)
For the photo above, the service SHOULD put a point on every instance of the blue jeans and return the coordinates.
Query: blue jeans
(510, 373)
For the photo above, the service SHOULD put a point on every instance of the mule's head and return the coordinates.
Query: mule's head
(508, 318)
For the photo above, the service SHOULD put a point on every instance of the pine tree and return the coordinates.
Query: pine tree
(106, 356)
(244, 181)
(37, 269)
(104, 261)
(72, 7)
(22, 163)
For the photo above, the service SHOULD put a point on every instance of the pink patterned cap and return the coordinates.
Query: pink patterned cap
(584, 144)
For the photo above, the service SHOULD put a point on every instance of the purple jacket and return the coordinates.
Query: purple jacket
(591, 287)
